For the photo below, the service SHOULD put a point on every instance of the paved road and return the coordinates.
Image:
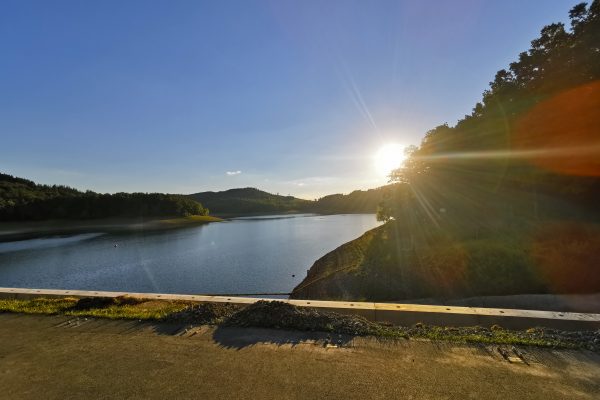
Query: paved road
(61, 358)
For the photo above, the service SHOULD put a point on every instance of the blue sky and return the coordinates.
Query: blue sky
(292, 97)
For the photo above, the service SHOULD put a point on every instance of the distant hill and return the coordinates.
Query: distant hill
(24, 200)
(245, 201)
(253, 201)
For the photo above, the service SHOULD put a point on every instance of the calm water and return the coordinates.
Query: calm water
(251, 255)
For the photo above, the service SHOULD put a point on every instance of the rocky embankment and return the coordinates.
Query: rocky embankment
(337, 275)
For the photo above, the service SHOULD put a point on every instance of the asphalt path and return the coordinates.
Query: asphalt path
(44, 357)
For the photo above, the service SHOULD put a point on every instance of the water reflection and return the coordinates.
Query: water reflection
(241, 256)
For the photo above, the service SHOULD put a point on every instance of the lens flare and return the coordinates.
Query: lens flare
(563, 132)
(388, 158)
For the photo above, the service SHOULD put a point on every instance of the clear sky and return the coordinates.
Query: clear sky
(292, 97)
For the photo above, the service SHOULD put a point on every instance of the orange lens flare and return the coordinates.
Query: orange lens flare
(562, 133)
(565, 255)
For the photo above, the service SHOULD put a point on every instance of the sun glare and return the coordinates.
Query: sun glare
(388, 158)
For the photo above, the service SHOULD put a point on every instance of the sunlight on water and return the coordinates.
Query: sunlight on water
(41, 243)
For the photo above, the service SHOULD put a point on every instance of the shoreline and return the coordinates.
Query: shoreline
(15, 231)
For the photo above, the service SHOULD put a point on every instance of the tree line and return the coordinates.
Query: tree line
(22, 199)
(528, 151)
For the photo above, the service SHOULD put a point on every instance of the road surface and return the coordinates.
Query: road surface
(63, 358)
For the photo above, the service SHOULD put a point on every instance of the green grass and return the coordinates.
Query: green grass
(141, 311)
(494, 337)
(471, 335)
(37, 306)
(121, 309)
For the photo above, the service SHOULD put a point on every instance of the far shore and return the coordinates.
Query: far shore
(10, 231)
(288, 212)
(260, 214)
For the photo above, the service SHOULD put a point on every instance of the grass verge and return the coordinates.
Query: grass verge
(280, 315)
(118, 308)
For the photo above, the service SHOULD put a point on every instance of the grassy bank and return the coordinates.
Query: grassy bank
(400, 261)
(279, 315)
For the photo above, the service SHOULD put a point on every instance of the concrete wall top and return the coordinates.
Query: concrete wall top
(333, 305)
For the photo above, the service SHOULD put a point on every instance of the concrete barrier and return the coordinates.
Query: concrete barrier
(393, 313)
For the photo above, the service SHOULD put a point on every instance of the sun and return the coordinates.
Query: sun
(388, 158)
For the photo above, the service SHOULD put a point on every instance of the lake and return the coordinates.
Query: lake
(240, 256)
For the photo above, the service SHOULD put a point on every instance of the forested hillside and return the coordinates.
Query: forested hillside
(248, 201)
(504, 202)
(359, 201)
(22, 199)
(529, 151)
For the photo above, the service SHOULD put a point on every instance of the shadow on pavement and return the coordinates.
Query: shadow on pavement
(168, 328)
(238, 338)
